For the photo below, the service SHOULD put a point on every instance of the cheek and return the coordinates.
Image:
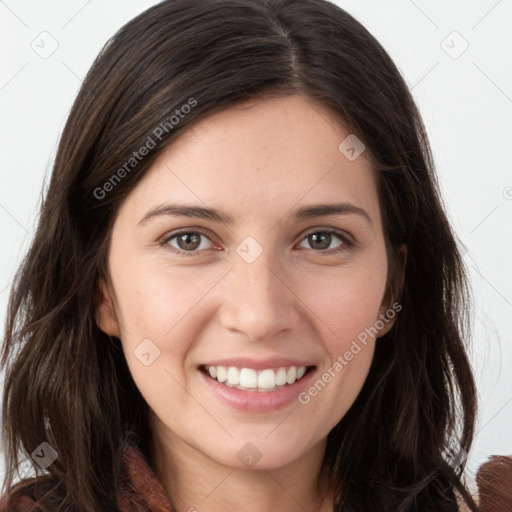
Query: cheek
(155, 299)
(346, 301)
(346, 304)
(159, 310)
(165, 306)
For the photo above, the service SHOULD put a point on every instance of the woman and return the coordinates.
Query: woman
(243, 290)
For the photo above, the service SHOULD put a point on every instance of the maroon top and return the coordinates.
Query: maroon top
(141, 490)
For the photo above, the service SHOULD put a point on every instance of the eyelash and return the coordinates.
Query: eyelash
(347, 244)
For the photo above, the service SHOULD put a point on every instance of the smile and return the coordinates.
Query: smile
(249, 379)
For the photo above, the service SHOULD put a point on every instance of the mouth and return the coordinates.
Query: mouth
(249, 379)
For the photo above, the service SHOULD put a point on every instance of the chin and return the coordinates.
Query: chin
(260, 452)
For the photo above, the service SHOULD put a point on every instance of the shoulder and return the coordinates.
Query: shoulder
(494, 480)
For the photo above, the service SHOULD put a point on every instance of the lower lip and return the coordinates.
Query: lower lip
(258, 401)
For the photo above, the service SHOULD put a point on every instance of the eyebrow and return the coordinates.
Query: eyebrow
(306, 212)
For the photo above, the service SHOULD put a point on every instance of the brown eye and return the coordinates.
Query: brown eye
(188, 243)
(322, 240)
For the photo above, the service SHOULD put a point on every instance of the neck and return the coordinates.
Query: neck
(195, 483)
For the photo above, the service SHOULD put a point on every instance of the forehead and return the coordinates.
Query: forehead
(261, 157)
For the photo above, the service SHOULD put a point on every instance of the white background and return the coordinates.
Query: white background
(466, 103)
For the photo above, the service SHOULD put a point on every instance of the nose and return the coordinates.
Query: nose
(258, 300)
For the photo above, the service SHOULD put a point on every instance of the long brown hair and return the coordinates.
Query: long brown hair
(67, 383)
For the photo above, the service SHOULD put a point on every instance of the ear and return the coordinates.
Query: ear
(105, 315)
(390, 306)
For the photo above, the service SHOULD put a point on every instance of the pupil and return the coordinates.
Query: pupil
(186, 239)
(326, 239)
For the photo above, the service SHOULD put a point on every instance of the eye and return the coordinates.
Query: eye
(188, 243)
(191, 243)
(321, 240)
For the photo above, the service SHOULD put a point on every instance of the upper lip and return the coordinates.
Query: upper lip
(261, 364)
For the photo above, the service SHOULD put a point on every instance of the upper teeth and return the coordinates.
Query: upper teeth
(247, 378)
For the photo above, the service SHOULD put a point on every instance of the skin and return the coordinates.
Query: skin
(258, 162)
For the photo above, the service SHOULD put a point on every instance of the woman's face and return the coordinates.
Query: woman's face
(280, 286)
